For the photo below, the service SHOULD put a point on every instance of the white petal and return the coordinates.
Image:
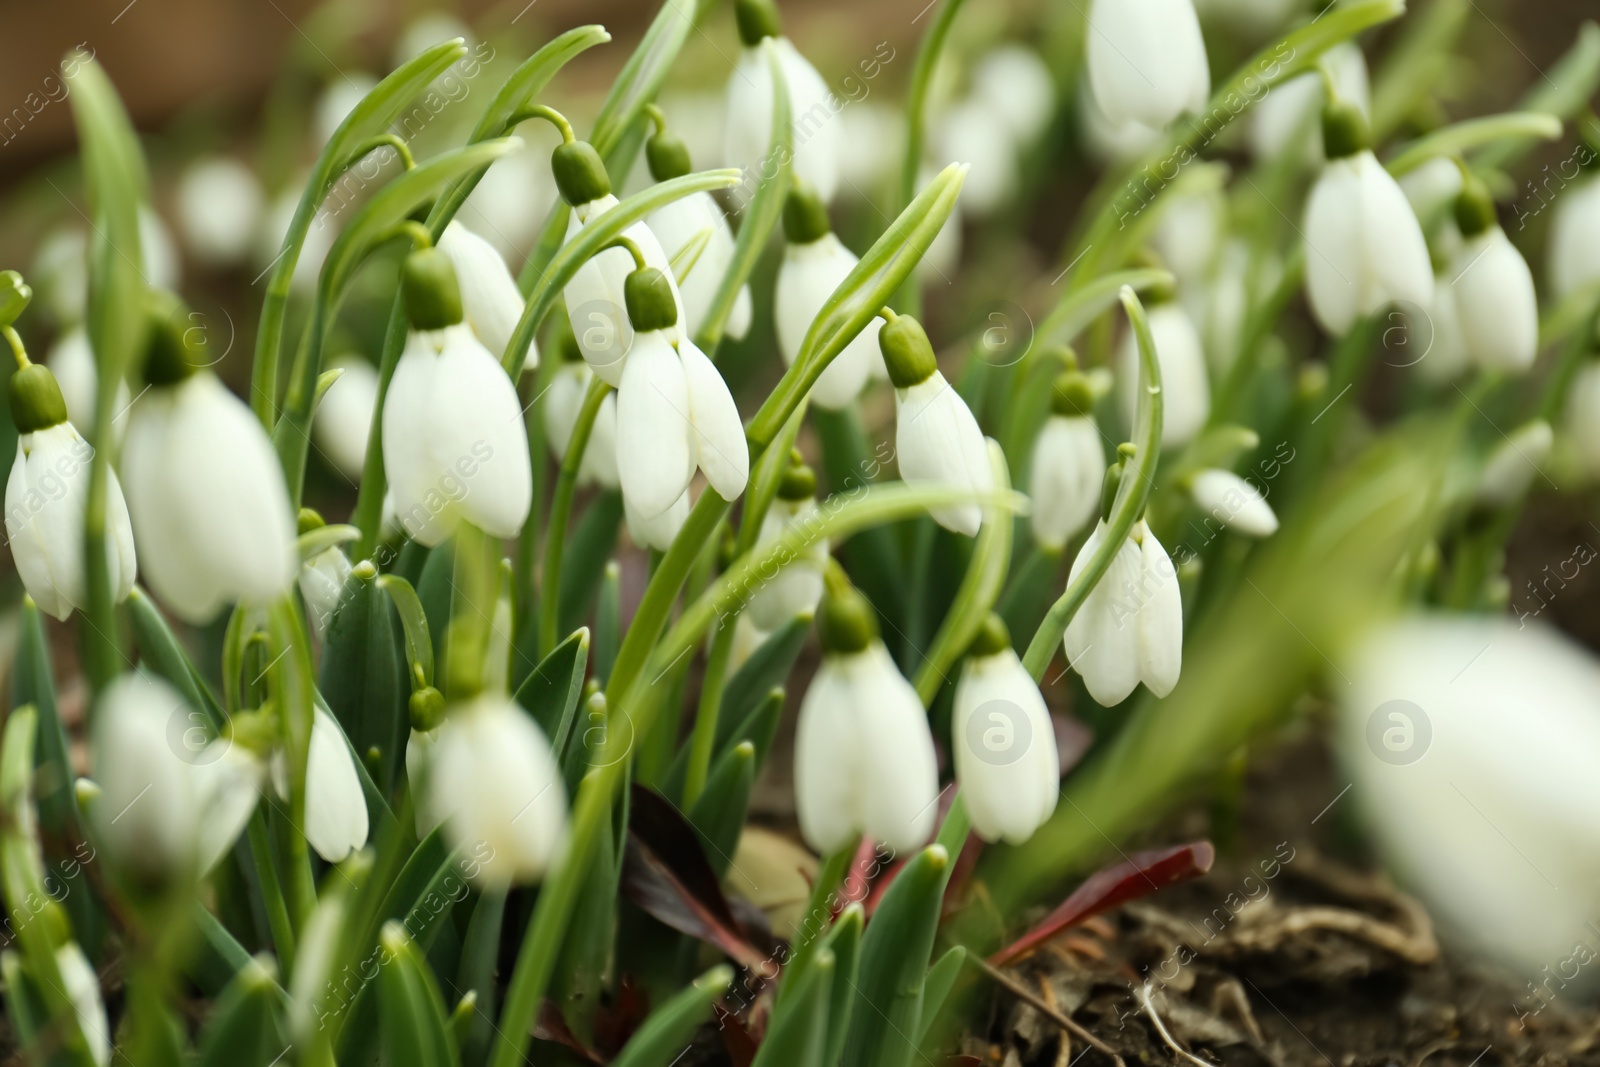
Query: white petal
(336, 809)
(228, 786)
(1004, 748)
(655, 452)
(219, 206)
(83, 992)
(1146, 60)
(147, 815)
(1514, 463)
(1336, 268)
(938, 442)
(899, 794)
(697, 220)
(422, 506)
(321, 582)
(814, 109)
(1184, 386)
(1401, 267)
(1160, 618)
(489, 295)
(1102, 640)
(476, 437)
(1234, 502)
(1066, 475)
(1575, 238)
(343, 419)
(594, 297)
(827, 778)
(656, 531)
(720, 448)
(1495, 302)
(796, 588)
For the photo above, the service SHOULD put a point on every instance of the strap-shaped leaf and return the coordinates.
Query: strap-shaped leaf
(246, 1026)
(662, 1037)
(415, 1024)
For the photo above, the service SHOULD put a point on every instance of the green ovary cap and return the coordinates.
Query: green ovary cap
(805, 216)
(757, 19)
(1474, 207)
(1071, 394)
(847, 622)
(36, 401)
(993, 637)
(1344, 130)
(175, 347)
(432, 294)
(651, 305)
(427, 709)
(799, 481)
(309, 519)
(580, 173)
(906, 352)
(667, 155)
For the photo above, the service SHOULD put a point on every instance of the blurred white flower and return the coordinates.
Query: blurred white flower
(207, 497)
(876, 135)
(1445, 356)
(1470, 741)
(83, 993)
(1575, 238)
(322, 579)
(1233, 502)
(1432, 187)
(1130, 627)
(1511, 467)
(1146, 60)
(71, 360)
(656, 531)
(493, 780)
(567, 390)
(336, 808)
(594, 297)
(489, 295)
(1285, 119)
(1184, 385)
(219, 208)
(429, 28)
(1016, 84)
(1189, 234)
(1110, 142)
(454, 444)
(515, 195)
(795, 588)
(1004, 743)
(342, 422)
(971, 131)
(1581, 421)
(1068, 467)
(813, 108)
(696, 220)
(1495, 302)
(60, 275)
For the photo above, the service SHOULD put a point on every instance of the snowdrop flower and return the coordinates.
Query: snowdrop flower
(83, 993)
(454, 444)
(796, 587)
(514, 196)
(1110, 142)
(47, 495)
(567, 390)
(205, 489)
(159, 251)
(596, 303)
(71, 360)
(493, 781)
(814, 265)
(1146, 60)
(1444, 355)
(343, 419)
(165, 812)
(1364, 248)
(695, 235)
(674, 412)
(937, 441)
(219, 208)
(491, 303)
(1004, 743)
(1018, 88)
(336, 808)
(1184, 385)
(1581, 422)
(1575, 235)
(971, 130)
(1512, 465)
(1494, 297)
(425, 31)
(1284, 120)
(1068, 464)
(1190, 233)
(656, 531)
(864, 758)
(1130, 628)
(749, 125)
(1233, 502)
(1432, 188)
(322, 579)
(1470, 740)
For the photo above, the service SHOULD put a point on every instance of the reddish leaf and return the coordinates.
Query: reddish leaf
(741, 1047)
(961, 873)
(665, 873)
(551, 1027)
(1136, 876)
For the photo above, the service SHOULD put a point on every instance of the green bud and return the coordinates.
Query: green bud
(36, 401)
(1071, 394)
(799, 482)
(174, 348)
(309, 520)
(14, 296)
(432, 294)
(805, 216)
(254, 731)
(992, 638)
(906, 352)
(1108, 489)
(1474, 207)
(648, 295)
(757, 19)
(1344, 130)
(847, 622)
(667, 155)
(580, 173)
(427, 709)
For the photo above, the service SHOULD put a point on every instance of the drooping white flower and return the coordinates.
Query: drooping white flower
(1575, 237)
(565, 397)
(207, 497)
(83, 993)
(493, 780)
(864, 756)
(971, 131)
(697, 239)
(515, 195)
(1110, 142)
(1003, 741)
(219, 207)
(1469, 739)
(336, 808)
(1068, 465)
(1581, 421)
(490, 299)
(342, 423)
(1432, 188)
(813, 108)
(1364, 248)
(1130, 628)
(454, 444)
(71, 360)
(937, 440)
(656, 531)
(814, 264)
(795, 588)
(1285, 118)
(1443, 353)
(46, 497)
(322, 579)
(1512, 465)
(1016, 84)
(1190, 233)
(1185, 388)
(1495, 302)
(169, 806)
(1233, 502)
(1146, 60)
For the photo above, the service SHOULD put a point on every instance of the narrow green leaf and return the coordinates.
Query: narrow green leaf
(245, 1027)
(32, 683)
(480, 956)
(1460, 137)
(363, 679)
(551, 692)
(665, 1034)
(798, 1035)
(315, 542)
(718, 815)
(872, 558)
(844, 941)
(415, 1025)
(940, 982)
